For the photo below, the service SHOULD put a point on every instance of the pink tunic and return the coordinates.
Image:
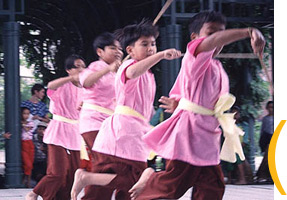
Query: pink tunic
(102, 93)
(121, 135)
(64, 102)
(186, 136)
(27, 135)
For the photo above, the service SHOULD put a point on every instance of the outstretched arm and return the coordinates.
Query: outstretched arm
(221, 38)
(142, 66)
(55, 84)
(94, 77)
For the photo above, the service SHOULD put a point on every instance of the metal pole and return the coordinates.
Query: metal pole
(210, 5)
(251, 160)
(171, 38)
(13, 169)
(247, 78)
(173, 13)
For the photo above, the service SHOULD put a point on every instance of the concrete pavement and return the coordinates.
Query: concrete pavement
(233, 192)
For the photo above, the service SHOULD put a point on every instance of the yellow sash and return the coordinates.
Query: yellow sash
(97, 108)
(125, 110)
(231, 132)
(83, 151)
(64, 119)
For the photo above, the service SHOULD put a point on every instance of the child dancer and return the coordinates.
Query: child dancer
(62, 135)
(98, 82)
(121, 155)
(190, 138)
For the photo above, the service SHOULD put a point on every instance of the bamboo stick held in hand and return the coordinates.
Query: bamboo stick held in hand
(161, 12)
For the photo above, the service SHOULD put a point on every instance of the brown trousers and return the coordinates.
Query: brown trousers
(93, 192)
(207, 182)
(58, 181)
(128, 172)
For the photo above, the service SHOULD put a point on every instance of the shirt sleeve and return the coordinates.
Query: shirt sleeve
(127, 84)
(53, 94)
(83, 75)
(199, 64)
(192, 67)
(123, 69)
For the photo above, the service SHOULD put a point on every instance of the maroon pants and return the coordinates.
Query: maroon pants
(93, 192)
(58, 181)
(128, 172)
(207, 182)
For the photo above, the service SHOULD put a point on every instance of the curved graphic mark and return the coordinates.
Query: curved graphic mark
(271, 157)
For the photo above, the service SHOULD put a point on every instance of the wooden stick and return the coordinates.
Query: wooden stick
(266, 73)
(161, 12)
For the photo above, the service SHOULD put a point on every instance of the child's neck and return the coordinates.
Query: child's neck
(100, 59)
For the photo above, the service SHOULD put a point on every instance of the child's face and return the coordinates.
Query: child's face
(25, 114)
(79, 64)
(111, 53)
(142, 48)
(40, 131)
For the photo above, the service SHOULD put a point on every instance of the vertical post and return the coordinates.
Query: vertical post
(220, 6)
(210, 5)
(171, 38)
(252, 145)
(13, 170)
(173, 13)
(201, 5)
(247, 78)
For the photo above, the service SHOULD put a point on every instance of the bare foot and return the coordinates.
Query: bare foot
(139, 186)
(31, 196)
(78, 184)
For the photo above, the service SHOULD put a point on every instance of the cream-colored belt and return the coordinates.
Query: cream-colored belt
(97, 108)
(125, 110)
(64, 119)
(83, 151)
(231, 132)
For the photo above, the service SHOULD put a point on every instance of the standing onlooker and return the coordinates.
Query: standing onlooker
(27, 146)
(267, 129)
(40, 158)
(38, 109)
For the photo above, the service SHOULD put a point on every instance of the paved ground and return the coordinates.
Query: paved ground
(233, 192)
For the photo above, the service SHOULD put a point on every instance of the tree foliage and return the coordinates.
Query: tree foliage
(53, 29)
